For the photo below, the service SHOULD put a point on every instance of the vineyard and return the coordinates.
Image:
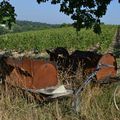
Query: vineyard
(64, 37)
(97, 101)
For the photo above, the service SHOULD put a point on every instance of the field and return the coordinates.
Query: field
(51, 38)
(97, 102)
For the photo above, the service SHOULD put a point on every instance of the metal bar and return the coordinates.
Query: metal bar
(76, 100)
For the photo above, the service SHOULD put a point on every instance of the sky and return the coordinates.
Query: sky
(46, 13)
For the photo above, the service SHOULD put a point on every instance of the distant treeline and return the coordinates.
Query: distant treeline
(22, 26)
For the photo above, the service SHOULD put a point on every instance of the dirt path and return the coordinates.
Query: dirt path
(116, 49)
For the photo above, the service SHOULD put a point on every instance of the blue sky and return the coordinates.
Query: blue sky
(47, 13)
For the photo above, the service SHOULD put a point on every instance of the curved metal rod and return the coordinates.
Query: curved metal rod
(116, 106)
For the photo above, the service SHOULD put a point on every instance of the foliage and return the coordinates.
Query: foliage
(64, 37)
(7, 13)
(65, 25)
(85, 13)
(3, 30)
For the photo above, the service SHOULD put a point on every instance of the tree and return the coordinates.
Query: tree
(7, 13)
(84, 13)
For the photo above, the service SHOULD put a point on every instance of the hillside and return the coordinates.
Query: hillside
(22, 26)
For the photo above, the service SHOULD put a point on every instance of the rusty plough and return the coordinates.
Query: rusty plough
(40, 76)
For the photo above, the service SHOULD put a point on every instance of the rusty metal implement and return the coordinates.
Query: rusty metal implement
(28, 73)
(40, 76)
(106, 69)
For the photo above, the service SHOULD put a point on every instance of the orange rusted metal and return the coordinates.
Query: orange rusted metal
(108, 67)
(31, 74)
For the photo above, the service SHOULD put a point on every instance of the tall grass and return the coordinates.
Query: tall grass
(96, 103)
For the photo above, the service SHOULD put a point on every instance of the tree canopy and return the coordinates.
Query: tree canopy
(84, 13)
(7, 13)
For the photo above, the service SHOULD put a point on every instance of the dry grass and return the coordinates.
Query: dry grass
(96, 103)
(99, 103)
